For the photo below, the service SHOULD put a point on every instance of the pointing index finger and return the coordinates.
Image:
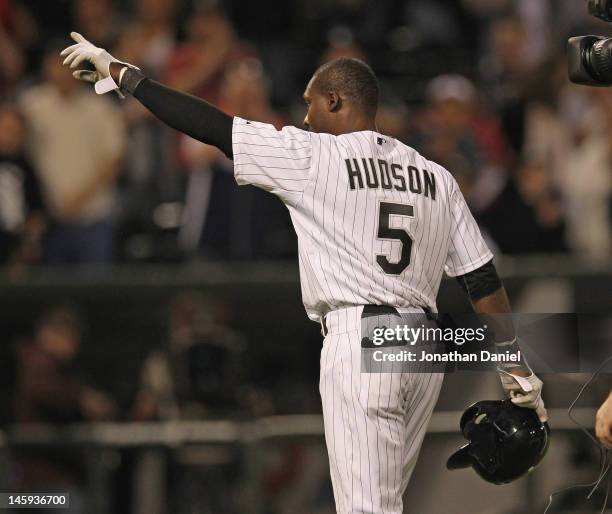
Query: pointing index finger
(77, 37)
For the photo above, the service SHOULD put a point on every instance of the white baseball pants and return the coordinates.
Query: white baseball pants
(375, 422)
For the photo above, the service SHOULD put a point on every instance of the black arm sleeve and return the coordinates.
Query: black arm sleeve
(185, 113)
(480, 282)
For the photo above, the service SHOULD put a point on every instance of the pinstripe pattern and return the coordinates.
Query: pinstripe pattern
(337, 226)
(374, 422)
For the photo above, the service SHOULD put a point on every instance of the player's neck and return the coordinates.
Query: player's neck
(360, 123)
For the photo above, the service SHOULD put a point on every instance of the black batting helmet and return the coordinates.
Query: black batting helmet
(505, 441)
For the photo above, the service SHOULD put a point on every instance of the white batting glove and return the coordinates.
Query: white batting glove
(82, 51)
(524, 392)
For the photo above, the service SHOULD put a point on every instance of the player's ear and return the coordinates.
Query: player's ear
(333, 101)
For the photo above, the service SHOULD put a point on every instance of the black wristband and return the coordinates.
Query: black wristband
(130, 79)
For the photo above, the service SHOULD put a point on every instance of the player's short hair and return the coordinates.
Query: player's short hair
(351, 78)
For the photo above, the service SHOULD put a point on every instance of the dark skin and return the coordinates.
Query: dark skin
(331, 113)
(495, 303)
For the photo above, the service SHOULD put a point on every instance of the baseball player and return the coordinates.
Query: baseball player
(377, 226)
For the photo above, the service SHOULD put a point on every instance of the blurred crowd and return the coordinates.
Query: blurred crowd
(477, 85)
(197, 370)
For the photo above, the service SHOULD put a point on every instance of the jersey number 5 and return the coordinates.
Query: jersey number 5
(399, 234)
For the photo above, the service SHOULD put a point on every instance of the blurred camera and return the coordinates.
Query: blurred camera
(590, 57)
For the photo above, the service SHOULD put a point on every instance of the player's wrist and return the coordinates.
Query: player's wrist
(115, 70)
(123, 77)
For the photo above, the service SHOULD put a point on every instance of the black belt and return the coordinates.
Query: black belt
(375, 310)
(378, 310)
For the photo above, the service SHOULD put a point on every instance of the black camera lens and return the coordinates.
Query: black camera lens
(598, 60)
(589, 58)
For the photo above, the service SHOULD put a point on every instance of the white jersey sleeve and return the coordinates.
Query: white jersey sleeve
(468, 250)
(278, 161)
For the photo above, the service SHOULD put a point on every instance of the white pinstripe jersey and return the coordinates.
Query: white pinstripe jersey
(376, 222)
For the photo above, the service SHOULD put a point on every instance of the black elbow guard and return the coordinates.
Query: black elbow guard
(480, 282)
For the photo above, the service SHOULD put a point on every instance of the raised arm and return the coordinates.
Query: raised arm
(277, 161)
(183, 112)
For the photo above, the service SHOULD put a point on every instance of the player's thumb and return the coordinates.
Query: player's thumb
(523, 400)
(85, 75)
(542, 412)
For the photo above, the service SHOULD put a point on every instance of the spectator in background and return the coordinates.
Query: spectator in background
(49, 389)
(77, 140)
(537, 18)
(527, 217)
(505, 69)
(19, 39)
(12, 63)
(455, 126)
(150, 177)
(221, 219)
(456, 117)
(199, 372)
(98, 19)
(547, 137)
(22, 214)
(244, 89)
(15, 36)
(148, 41)
(585, 175)
(444, 127)
(197, 66)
